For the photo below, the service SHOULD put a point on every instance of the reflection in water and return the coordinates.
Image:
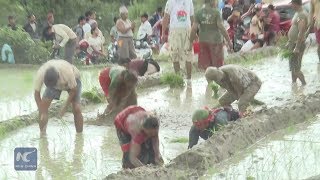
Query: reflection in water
(59, 166)
(188, 94)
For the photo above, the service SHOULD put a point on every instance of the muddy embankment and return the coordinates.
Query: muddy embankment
(234, 137)
(153, 80)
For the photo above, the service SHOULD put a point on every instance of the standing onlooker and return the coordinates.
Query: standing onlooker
(315, 20)
(12, 23)
(86, 27)
(227, 9)
(211, 35)
(156, 17)
(50, 22)
(273, 22)
(64, 37)
(145, 29)
(180, 14)
(92, 18)
(79, 28)
(125, 31)
(296, 42)
(113, 31)
(256, 25)
(31, 27)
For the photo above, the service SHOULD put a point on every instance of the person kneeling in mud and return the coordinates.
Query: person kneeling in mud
(241, 84)
(206, 121)
(119, 86)
(140, 67)
(137, 131)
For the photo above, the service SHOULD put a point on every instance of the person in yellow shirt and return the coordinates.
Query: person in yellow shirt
(64, 37)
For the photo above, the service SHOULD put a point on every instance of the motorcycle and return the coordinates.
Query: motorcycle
(143, 48)
(112, 52)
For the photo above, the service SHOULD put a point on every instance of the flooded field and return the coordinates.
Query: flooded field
(96, 153)
(292, 153)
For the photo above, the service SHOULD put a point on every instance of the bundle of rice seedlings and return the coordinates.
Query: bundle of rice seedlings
(215, 89)
(93, 95)
(172, 79)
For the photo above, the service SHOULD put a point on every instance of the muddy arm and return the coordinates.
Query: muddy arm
(193, 136)
(134, 153)
(155, 145)
(301, 35)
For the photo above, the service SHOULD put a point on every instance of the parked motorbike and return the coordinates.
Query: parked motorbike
(143, 48)
(112, 52)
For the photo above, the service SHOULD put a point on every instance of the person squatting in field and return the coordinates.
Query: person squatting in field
(137, 131)
(241, 84)
(206, 121)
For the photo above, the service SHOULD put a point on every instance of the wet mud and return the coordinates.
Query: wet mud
(175, 107)
(232, 138)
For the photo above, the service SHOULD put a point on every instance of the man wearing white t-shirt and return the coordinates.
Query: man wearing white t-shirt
(145, 29)
(180, 13)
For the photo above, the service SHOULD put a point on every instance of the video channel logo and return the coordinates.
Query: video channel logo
(25, 159)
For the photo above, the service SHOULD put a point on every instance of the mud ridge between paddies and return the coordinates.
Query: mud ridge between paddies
(232, 138)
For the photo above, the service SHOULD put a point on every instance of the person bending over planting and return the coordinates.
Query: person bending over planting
(58, 76)
(137, 131)
(241, 84)
(119, 86)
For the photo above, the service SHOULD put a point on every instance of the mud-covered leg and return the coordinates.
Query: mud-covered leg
(248, 96)
(226, 99)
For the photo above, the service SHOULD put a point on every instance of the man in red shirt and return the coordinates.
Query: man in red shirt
(137, 131)
(273, 22)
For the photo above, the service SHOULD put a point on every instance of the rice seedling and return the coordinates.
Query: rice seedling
(93, 95)
(172, 79)
(215, 89)
(180, 140)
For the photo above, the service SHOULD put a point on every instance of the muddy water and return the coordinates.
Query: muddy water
(173, 106)
(63, 154)
(16, 91)
(292, 153)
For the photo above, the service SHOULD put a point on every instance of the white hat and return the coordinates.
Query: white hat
(123, 9)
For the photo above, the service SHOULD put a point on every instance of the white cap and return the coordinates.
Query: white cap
(123, 9)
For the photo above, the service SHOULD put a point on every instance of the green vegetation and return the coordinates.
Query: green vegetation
(172, 79)
(215, 89)
(93, 95)
(25, 50)
(250, 178)
(180, 140)
(285, 54)
(15, 123)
